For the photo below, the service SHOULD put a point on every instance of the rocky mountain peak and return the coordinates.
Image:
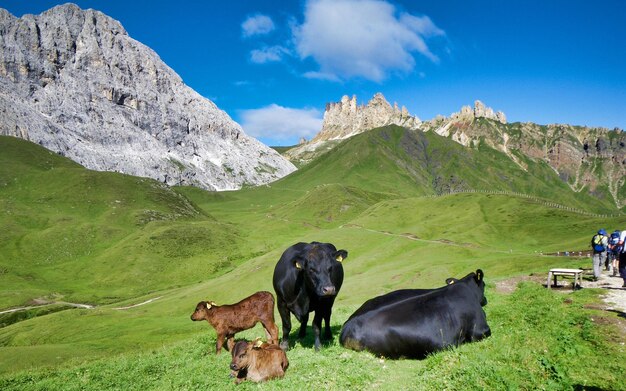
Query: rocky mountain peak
(378, 100)
(73, 81)
(479, 111)
(5, 15)
(346, 118)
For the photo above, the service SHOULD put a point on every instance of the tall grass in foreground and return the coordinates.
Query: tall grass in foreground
(541, 340)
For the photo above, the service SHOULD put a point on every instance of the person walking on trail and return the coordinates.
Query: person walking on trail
(612, 255)
(599, 244)
(621, 247)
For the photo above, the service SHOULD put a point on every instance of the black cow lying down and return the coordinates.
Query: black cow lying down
(412, 323)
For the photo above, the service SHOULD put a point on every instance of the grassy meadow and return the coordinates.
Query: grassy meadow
(72, 235)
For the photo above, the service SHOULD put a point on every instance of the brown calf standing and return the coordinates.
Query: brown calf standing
(229, 319)
(257, 362)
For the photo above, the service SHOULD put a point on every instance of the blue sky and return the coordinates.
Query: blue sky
(273, 65)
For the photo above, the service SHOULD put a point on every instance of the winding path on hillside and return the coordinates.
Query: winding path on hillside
(138, 304)
(76, 305)
(410, 236)
(615, 296)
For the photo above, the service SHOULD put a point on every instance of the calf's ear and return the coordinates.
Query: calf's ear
(341, 255)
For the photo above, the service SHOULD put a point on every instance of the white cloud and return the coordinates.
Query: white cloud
(362, 38)
(281, 123)
(321, 76)
(268, 54)
(257, 25)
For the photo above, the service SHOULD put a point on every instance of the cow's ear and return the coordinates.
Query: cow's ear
(479, 275)
(341, 255)
(450, 281)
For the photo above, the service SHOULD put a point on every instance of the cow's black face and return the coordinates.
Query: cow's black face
(481, 286)
(476, 278)
(319, 267)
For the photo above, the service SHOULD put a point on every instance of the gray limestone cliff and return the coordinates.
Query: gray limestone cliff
(73, 81)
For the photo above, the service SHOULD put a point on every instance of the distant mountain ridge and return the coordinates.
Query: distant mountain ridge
(73, 81)
(587, 159)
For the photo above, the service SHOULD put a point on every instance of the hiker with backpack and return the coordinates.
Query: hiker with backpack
(599, 244)
(621, 247)
(612, 258)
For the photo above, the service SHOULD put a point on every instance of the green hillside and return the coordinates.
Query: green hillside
(79, 235)
(405, 163)
(112, 240)
(588, 160)
(540, 340)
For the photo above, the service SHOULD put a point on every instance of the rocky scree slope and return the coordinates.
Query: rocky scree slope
(73, 81)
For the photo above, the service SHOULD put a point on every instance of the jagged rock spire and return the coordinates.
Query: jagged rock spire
(345, 118)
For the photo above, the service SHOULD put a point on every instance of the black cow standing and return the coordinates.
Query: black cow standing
(412, 323)
(307, 278)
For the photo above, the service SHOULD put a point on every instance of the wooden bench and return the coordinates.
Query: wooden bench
(576, 273)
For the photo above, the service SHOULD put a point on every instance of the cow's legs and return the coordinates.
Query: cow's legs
(480, 331)
(219, 343)
(271, 331)
(285, 316)
(327, 332)
(303, 322)
(317, 325)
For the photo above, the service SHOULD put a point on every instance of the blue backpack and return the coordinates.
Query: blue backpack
(614, 241)
(596, 243)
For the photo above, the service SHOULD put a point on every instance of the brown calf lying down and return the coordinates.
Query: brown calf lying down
(257, 362)
(229, 319)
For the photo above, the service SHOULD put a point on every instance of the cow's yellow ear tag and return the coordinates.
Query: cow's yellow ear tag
(208, 305)
(339, 258)
(298, 266)
(258, 343)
